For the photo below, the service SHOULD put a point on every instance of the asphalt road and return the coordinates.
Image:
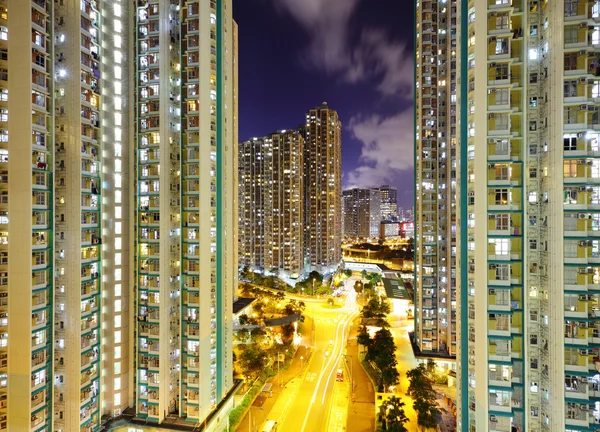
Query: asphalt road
(314, 401)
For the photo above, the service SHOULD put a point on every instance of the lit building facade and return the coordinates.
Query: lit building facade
(186, 215)
(389, 202)
(435, 174)
(528, 209)
(69, 225)
(323, 187)
(362, 213)
(271, 203)
(64, 225)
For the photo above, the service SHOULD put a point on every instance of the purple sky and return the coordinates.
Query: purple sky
(355, 54)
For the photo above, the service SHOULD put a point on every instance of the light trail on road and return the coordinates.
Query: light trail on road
(333, 360)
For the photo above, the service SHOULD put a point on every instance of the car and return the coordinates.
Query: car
(270, 426)
(339, 376)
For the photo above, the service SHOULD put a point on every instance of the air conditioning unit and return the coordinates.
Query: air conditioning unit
(582, 216)
(583, 352)
(582, 80)
(492, 116)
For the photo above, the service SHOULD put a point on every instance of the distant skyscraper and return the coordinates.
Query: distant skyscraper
(389, 202)
(323, 187)
(510, 99)
(349, 223)
(362, 213)
(271, 202)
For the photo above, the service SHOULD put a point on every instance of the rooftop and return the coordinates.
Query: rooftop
(241, 303)
(394, 289)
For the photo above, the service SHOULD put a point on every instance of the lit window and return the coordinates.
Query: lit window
(533, 54)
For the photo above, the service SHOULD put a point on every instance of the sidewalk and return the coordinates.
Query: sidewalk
(361, 411)
(263, 404)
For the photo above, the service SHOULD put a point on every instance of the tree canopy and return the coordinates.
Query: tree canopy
(392, 415)
(424, 396)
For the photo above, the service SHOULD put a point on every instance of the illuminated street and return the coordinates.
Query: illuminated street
(314, 401)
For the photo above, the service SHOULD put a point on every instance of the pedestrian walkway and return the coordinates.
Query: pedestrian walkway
(361, 411)
(281, 385)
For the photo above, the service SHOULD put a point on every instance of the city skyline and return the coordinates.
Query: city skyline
(375, 104)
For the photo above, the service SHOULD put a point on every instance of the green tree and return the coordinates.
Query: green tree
(382, 352)
(252, 361)
(363, 274)
(323, 290)
(287, 333)
(363, 337)
(376, 308)
(348, 273)
(318, 277)
(243, 335)
(259, 335)
(392, 415)
(421, 391)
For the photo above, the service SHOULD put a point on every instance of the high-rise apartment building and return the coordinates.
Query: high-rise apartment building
(62, 226)
(435, 167)
(271, 202)
(186, 215)
(389, 203)
(348, 214)
(323, 187)
(83, 249)
(362, 213)
(527, 82)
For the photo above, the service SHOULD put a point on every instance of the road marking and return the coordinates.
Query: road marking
(342, 325)
(310, 377)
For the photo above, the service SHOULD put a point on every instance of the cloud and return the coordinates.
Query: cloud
(387, 148)
(331, 48)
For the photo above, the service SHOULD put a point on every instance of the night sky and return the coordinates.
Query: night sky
(357, 55)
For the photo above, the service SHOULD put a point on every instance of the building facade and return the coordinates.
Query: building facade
(348, 214)
(73, 244)
(271, 203)
(362, 213)
(389, 202)
(323, 187)
(435, 174)
(186, 216)
(528, 206)
(62, 214)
